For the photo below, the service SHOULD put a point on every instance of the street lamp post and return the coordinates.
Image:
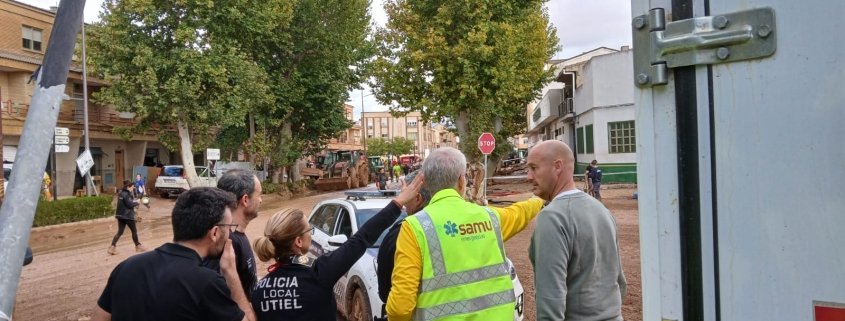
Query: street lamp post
(363, 121)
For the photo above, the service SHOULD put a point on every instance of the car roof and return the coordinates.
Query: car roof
(369, 203)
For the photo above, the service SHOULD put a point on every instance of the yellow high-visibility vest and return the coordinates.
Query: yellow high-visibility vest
(464, 270)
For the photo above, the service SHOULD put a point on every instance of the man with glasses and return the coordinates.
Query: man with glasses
(247, 190)
(170, 283)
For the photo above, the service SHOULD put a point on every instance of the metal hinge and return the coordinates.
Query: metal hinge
(658, 45)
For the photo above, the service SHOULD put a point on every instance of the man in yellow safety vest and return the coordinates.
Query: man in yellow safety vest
(450, 258)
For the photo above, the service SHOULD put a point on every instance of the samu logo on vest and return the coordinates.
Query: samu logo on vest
(451, 228)
(469, 230)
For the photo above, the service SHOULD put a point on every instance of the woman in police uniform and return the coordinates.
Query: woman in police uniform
(300, 288)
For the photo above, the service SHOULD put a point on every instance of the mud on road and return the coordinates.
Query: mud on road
(71, 265)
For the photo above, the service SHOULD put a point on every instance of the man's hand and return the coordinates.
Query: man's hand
(410, 191)
(227, 260)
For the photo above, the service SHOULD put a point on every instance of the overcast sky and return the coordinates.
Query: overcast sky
(582, 25)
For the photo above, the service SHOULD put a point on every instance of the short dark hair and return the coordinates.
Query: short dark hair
(424, 192)
(237, 181)
(198, 210)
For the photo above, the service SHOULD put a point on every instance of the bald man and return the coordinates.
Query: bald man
(574, 251)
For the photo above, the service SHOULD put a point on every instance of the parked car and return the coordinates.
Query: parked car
(172, 180)
(356, 293)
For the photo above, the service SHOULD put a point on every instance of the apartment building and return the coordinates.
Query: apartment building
(426, 136)
(350, 139)
(24, 34)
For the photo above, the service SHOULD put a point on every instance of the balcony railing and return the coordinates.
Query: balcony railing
(96, 115)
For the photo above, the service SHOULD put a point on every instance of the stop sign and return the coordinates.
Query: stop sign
(486, 143)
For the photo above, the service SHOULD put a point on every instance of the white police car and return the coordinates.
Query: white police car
(356, 293)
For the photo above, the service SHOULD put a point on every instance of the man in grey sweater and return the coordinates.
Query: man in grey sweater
(574, 251)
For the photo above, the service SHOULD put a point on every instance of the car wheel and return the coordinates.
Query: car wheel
(360, 307)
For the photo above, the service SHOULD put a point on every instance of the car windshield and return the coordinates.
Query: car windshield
(366, 214)
(172, 171)
(177, 171)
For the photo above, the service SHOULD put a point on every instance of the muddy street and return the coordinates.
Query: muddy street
(71, 265)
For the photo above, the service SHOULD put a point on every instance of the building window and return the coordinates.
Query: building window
(622, 137)
(31, 38)
(383, 122)
(412, 136)
(412, 123)
(584, 139)
(384, 136)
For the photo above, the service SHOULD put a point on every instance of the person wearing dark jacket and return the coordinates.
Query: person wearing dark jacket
(126, 217)
(387, 250)
(298, 287)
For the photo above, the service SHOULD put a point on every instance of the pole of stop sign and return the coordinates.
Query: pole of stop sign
(486, 144)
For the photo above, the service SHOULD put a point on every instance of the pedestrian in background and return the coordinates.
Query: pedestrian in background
(382, 179)
(588, 183)
(170, 283)
(125, 215)
(595, 179)
(397, 171)
(141, 191)
(574, 250)
(440, 249)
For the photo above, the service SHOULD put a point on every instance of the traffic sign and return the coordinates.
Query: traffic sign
(62, 148)
(212, 154)
(62, 131)
(62, 140)
(84, 162)
(486, 143)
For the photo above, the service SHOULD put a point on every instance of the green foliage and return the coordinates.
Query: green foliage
(312, 63)
(482, 59)
(230, 140)
(72, 210)
(292, 187)
(396, 146)
(268, 187)
(401, 145)
(180, 62)
(378, 147)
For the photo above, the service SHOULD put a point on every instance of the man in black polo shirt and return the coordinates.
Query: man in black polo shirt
(387, 250)
(247, 189)
(170, 283)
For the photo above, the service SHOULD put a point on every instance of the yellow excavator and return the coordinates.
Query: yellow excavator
(338, 170)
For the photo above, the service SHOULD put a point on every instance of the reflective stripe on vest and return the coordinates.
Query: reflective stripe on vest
(466, 306)
(441, 279)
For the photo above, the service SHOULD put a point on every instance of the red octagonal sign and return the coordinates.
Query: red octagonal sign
(486, 143)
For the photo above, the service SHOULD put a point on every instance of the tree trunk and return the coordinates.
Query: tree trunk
(296, 171)
(475, 193)
(277, 171)
(462, 124)
(187, 154)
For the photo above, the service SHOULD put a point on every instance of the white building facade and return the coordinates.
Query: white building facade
(590, 107)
